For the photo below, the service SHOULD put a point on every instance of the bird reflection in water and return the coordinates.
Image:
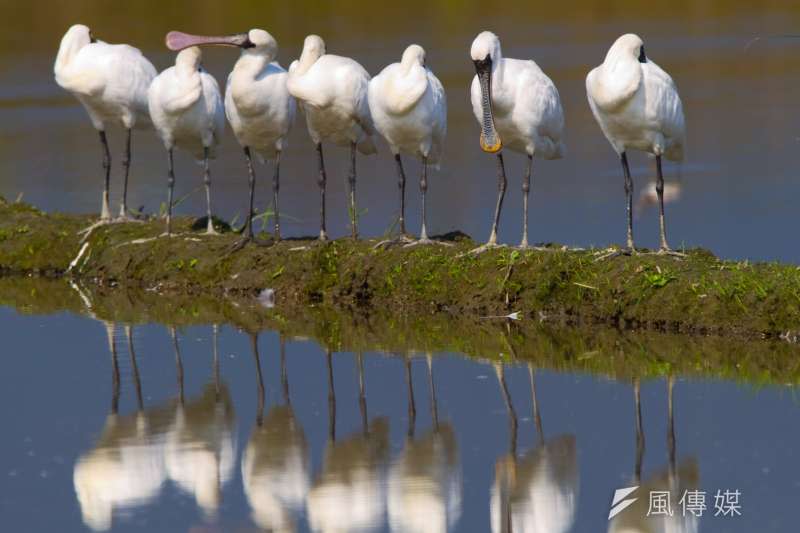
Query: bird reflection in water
(188, 442)
(126, 466)
(276, 466)
(349, 493)
(425, 480)
(201, 450)
(538, 491)
(674, 479)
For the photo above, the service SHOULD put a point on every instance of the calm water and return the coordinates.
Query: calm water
(738, 184)
(95, 438)
(98, 437)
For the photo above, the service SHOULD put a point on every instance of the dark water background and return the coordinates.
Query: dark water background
(66, 462)
(738, 181)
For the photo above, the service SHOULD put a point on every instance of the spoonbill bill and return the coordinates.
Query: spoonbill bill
(111, 82)
(409, 109)
(258, 105)
(638, 107)
(519, 107)
(332, 91)
(186, 109)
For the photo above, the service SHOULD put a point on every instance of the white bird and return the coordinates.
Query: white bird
(276, 464)
(409, 109)
(111, 82)
(258, 105)
(518, 107)
(539, 491)
(638, 107)
(332, 91)
(187, 111)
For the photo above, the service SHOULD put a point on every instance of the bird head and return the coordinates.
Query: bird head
(629, 45)
(485, 53)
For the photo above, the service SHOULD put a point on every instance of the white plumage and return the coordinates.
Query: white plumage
(111, 82)
(525, 102)
(332, 91)
(187, 112)
(409, 109)
(259, 108)
(518, 107)
(638, 107)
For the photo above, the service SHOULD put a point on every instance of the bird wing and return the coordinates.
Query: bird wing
(214, 105)
(663, 108)
(440, 116)
(538, 109)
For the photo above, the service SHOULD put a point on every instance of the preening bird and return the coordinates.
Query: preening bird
(638, 107)
(186, 109)
(111, 82)
(258, 105)
(332, 91)
(518, 107)
(409, 109)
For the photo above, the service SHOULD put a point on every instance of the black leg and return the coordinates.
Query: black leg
(105, 214)
(660, 192)
(362, 394)
(526, 188)
(170, 189)
(639, 431)
(501, 192)
(412, 407)
(401, 185)
(259, 379)
(137, 383)
(207, 182)
(628, 199)
(126, 165)
(331, 398)
(248, 225)
(275, 188)
(115, 379)
(178, 363)
(352, 183)
(321, 181)
(423, 188)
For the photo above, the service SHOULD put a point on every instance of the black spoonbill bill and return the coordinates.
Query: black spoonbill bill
(186, 109)
(637, 106)
(518, 107)
(258, 105)
(333, 93)
(111, 82)
(409, 109)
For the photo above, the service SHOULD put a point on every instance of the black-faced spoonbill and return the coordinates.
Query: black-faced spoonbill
(258, 105)
(637, 106)
(518, 107)
(333, 93)
(409, 109)
(111, 82)
(186, 109)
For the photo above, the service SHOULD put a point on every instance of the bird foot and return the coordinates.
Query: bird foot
(249, 239)
(401, 239)
(616, 253)
(425, 242)
(485, 247)
(666, 250)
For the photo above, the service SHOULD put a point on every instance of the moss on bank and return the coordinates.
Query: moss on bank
(597, 350)
(700, 294)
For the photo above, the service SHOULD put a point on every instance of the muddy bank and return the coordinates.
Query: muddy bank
(597, 349)
(698, 295)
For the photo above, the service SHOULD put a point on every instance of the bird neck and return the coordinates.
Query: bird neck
(70, 46)
(251, 64)
(307, 59)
